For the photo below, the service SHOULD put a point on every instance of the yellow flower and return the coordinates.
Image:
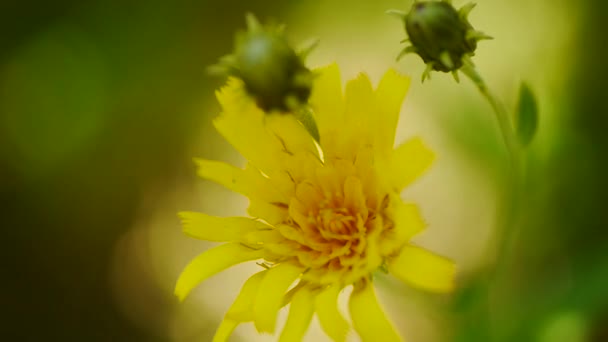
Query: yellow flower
(322, 218)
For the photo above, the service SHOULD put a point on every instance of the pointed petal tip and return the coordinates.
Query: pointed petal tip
(424, 269)
(411, 160)
(223, 332)
(211, 262)
(269, 298)
(185, 218)
(397, 76)
(300, 315)
(330, 318)
(180, 292)
(369, 318)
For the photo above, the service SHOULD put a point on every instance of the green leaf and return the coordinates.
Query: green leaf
(527, 115)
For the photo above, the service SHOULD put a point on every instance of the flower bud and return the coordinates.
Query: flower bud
(272, 72)
(441, 35)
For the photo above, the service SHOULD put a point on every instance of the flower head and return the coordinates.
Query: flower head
(321, 218)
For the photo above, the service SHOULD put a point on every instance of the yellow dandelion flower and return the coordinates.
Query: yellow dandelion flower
(322, 219)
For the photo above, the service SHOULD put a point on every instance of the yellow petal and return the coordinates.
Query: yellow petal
(224, 174)
(265, 140)
(300, 314)
(360, 102)
(409, 161)
(248, 182)
(355, 131)
(211, 262)
(367, 165)
(267, 198)
(262, 237)
(389, 96)
(242, 308)
(298, 212)
(292, 135)
(271, 212)
(232, 96)
(243, 126)
(354, 198)
(308, 194)
(332, 321)
(326, 99)
(213, 228)
(224, 331)
(407, 222)
(269, 298)
(369, 319)
(421, 268)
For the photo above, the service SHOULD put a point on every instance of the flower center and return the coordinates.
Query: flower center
(335, 224)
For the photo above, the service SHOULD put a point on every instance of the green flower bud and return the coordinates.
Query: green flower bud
(441, 35)
(272, 72)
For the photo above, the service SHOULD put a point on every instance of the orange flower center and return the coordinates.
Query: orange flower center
(335, 222)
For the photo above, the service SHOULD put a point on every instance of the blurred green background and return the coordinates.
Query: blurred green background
(104, 103)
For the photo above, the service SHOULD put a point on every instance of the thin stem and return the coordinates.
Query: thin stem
(513, 187)
(507, 214)
(502, 116)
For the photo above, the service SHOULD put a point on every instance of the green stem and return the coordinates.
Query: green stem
(508, 134)
(513, 187)
(507, 217)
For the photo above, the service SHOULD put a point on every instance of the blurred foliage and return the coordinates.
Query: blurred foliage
(554, 286)
(526, 118)
(100, 107)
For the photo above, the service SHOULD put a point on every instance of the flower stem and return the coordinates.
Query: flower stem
(492, 281)
(512, 189)
(508, 134)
